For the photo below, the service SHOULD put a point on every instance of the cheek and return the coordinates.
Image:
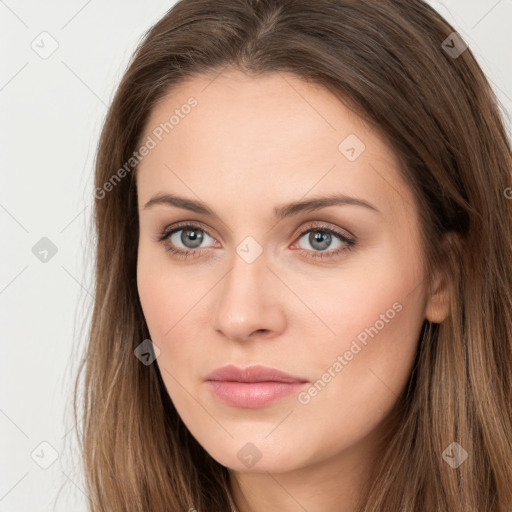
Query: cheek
(172, 299)
(376, 312)
(166, 292)
(360, 375)
(377, 296)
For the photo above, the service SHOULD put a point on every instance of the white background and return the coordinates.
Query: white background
(52, 111)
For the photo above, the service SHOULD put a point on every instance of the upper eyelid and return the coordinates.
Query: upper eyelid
(178, 227)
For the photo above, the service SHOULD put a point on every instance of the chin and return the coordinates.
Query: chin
(256, 457)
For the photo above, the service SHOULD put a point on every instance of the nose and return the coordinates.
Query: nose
(249, 301)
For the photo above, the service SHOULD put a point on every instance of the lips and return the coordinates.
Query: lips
(254, 386)
(255, 373)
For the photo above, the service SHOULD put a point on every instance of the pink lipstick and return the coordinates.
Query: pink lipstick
(254, 386)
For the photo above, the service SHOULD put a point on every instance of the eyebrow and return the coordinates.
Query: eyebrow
(280, 212)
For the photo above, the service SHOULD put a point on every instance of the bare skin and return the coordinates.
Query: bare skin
(249, 146)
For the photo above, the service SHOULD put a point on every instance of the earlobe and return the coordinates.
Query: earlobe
(438, 304)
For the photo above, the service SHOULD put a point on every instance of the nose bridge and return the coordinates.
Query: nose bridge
(248, 268)
(245, 300)
(243, 291)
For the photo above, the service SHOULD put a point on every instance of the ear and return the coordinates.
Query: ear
(438, 303)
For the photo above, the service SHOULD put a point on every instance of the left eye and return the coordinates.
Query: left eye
(191, 237)
(321, 239)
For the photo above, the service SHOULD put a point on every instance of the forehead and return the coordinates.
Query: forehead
(272, 136)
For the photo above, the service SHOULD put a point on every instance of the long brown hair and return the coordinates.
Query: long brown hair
(399, 65)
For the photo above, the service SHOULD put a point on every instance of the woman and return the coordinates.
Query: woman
(304, 267)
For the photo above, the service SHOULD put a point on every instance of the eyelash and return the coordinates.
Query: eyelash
(180, 253)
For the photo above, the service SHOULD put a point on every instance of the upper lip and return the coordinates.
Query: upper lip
(255, 373)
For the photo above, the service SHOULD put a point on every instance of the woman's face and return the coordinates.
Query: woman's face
(303, 255)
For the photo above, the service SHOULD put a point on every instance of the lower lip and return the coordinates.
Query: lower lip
(253, 394)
